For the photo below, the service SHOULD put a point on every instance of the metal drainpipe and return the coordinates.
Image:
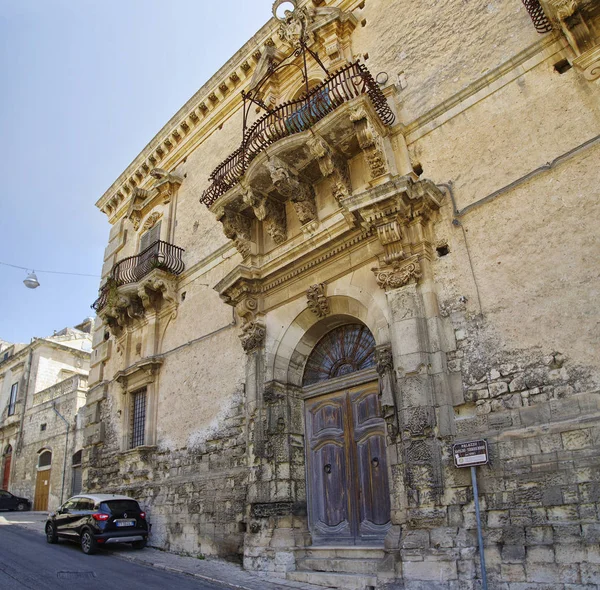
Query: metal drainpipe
(62, 491)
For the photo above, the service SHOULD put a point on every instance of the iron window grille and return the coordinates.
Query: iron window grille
(138, 421)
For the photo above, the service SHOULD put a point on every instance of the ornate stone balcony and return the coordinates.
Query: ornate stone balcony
(295, 117)
(139, 283)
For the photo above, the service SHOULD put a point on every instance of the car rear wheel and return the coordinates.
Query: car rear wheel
(51, 536)
(88, 543)
(21, 506)
(139, 544)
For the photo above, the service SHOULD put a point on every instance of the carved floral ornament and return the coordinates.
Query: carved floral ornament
(399, 275)
(317, 300)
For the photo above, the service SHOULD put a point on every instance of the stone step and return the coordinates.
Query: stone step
(331, 580)
(341, 565)
(351, 552)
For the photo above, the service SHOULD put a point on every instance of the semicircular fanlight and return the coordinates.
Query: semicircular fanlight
(344, 350)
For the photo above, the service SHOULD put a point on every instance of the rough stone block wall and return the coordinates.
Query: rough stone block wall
(195, 498)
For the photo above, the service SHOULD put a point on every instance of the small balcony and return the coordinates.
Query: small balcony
(77, 383)
(294, 117)
(159, 256)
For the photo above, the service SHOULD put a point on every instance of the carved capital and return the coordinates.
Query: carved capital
(237, 227)
(317, 300)
(399, 274)
(253, 335)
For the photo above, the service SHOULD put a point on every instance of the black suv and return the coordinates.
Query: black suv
(93, 520)
(10, 502)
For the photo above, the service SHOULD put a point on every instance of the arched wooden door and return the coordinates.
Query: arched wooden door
(348, 489)
(6, 462)
(42, 482)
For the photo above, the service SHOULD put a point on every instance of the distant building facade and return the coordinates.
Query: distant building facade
(312, 290)
(42, 397)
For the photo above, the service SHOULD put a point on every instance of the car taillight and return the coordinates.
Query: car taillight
(143, 515)
(100, 516)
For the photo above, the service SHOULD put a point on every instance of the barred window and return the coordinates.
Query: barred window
(138, 418)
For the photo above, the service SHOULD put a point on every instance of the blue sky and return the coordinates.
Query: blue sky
(85, 85)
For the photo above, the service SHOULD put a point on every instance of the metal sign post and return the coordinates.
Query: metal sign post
(471, 454)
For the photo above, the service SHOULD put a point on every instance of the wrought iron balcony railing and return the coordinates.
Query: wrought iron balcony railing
(296, 116)
(161, 255)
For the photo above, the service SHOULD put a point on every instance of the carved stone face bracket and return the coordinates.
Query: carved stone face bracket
(271, 212)
(237, 227)
(289, 185)
(332, 165)
(370, 142)
(317, 300)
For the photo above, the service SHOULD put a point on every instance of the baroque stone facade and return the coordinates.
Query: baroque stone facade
(398, 255)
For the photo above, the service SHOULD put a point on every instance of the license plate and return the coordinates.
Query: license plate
(125, 522)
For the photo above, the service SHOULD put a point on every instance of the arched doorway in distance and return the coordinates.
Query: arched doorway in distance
(42, 482)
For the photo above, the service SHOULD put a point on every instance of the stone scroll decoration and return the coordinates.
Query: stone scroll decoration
(238, 228)
(244, 296)
(333, 166)
(290, 186)
(370, 142)
(317, 300)
(269, 211)
(400, 274)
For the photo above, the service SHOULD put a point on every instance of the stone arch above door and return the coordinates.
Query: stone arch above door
(292, 349)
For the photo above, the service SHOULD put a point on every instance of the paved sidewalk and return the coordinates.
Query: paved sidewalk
(211, 570)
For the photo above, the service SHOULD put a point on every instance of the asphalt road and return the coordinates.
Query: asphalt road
(28, 562)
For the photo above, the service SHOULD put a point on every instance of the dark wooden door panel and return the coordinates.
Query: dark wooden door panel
(346, 464)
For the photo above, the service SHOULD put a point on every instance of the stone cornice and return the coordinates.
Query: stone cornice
(19, 356)
(210, 104)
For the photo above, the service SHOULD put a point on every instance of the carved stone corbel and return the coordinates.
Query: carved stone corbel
(370, 142)
(270, 212)
(156, 288)
(301, 194)
(317, 300)
(331, 165)
(398, 274)
(237, 227)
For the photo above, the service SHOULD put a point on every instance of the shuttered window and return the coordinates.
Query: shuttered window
(149, 237)
(13, 398)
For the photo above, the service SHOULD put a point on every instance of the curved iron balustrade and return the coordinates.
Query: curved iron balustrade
(538, 16)
(160, 255)
(294, 117)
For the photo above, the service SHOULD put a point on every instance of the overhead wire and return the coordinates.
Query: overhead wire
(54, 272)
